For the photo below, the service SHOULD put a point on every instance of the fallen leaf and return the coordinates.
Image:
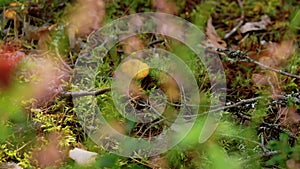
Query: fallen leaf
(158, 161)
(135, 91)
(169, 86)
(165, 6)
(259, 79)
(293, 164)
(49, 75)
(15, 4)
(290, 118)
(52, 154)
(84, 17)
(167, 26)
(273, 55)
(40, 34)
(213, 39)
(256, 26)
(133, 44)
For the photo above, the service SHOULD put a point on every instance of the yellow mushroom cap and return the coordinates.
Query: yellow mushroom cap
(135, 68)
(10, 14)
(14, 4)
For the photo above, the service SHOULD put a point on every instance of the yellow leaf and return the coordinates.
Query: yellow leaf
(135, 68)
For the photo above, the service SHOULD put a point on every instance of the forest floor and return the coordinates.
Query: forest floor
(245, 74)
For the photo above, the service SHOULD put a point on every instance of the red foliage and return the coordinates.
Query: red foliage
(9, 57)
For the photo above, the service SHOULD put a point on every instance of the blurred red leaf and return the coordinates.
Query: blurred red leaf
(9, 57)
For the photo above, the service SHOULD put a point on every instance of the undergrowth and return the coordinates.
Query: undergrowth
(258, 134)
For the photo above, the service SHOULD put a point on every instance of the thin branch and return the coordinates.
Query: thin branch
(245, 139)
(266, 152)
(270, 153)
(235, 104)
(240, 23)
(86, 93)
(149, 127)
(239, 56)
(61, 60)
(142, 163)
(230, 106)
(155, 42)
(278, 127)
(270, 68)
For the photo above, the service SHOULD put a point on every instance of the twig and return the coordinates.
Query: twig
(272, 69)
(278, 127)
(20, 148)
(145, 164)
(235, 104)
(270, 153)
(230, 106)
(155, 42)
(243, 138)
(61, 59)
(86, 93)
(239, 56)
(266, 154)
(227, 35)
(153, 124)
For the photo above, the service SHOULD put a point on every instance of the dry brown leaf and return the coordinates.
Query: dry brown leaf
(165, 6)
(51, 155)
(269, 79)
(167, 26)
(159, 162)
(133, 44)
(293, 164)
(49, 76)
(290, 118)
(256, 26)
(213, 39)
(44, 40)
(136, 91)
(40, 34)
(275, 54)
(259, 79)
(169, 87)
(10, 13)
(84, 17)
